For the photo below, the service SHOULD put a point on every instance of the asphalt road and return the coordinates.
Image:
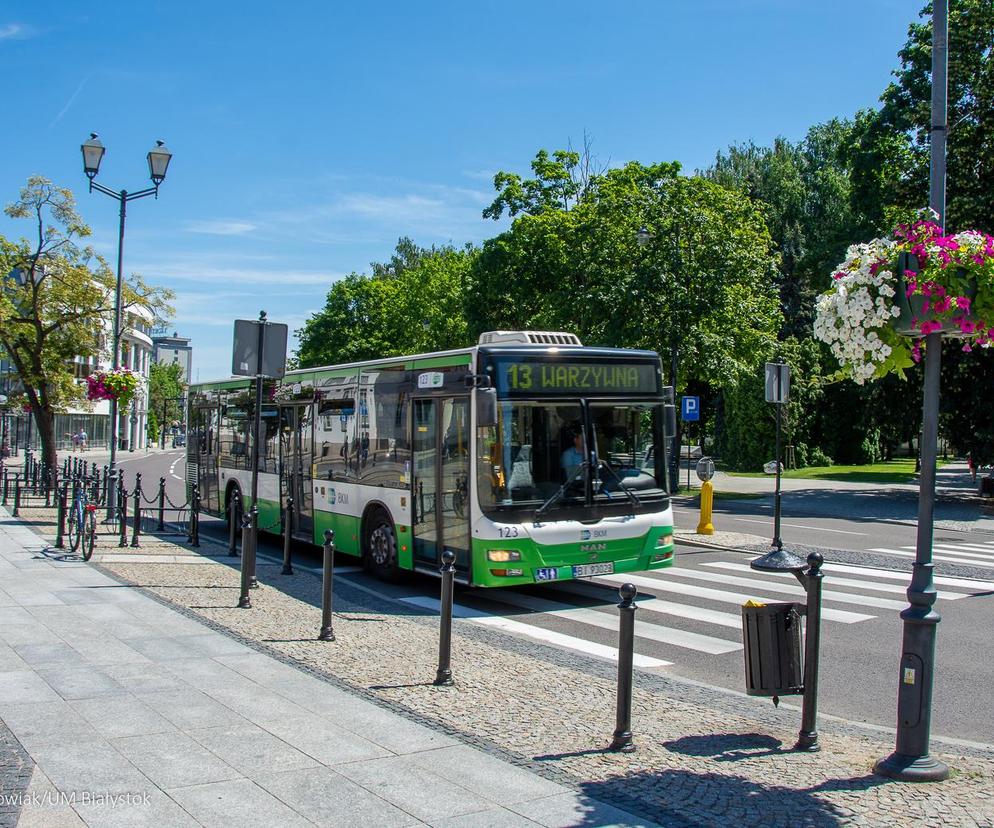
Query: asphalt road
(696, 606)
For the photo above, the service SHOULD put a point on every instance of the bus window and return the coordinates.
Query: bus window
(335, 445)
(384, 452)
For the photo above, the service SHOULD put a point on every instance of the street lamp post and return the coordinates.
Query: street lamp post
(158, 162)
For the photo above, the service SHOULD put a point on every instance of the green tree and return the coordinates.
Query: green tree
(700, 289)
(165, 396)
(413, 304)
(55, 301)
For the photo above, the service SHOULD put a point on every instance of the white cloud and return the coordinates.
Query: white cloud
(15, 31)
(235, 276)
(221, 228)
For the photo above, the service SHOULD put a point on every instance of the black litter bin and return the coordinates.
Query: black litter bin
(771, 637)
(987, 486)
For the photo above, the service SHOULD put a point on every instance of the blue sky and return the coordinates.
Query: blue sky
(308, 137)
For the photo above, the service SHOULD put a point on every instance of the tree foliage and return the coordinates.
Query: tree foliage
(55, 301)
(701, 286)
(413, 304)
(165, 393)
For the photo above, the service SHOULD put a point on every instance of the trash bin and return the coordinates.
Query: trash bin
(987, 486)
(771, 638)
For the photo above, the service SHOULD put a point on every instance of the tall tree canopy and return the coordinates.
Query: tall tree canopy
(56, 299)
(412, 304)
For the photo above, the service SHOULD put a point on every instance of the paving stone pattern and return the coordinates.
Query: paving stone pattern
(704, 757)
(15, 775)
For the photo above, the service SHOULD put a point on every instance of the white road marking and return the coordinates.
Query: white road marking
(942, 580)
(801, 526)
(845, 582)
(662, 606)
(594, 618)
(548, 636)
(939, 557)
(790, 589)
(724, 596)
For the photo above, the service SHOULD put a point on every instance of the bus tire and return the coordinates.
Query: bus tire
(380, 547)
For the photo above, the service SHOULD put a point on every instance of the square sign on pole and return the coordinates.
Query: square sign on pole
(245, 355)
(690, 409)
(777, 382)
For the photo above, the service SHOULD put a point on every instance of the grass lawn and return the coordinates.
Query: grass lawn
(889, 471)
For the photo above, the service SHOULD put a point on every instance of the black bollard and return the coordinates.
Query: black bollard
(327, 582)
(6, 485)
(244, 602)
(47, 477)
(622, 740)
(60, 532)
(138, 510)
(122, 509)
(807, 739)
(287, 526)
(233, 525)
(162, 504)
(34, 477)
(17, 498)
(27, 464)
(103, 485)
(195, 516)
(443, 675)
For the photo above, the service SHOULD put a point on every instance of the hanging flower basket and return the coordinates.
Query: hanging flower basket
(119, 385)
(889, 294)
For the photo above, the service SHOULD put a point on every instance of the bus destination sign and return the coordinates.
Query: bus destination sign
(575, 378)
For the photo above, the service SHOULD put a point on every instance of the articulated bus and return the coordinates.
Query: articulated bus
(531, 457)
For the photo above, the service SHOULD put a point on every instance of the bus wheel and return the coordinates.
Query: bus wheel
(381, 548)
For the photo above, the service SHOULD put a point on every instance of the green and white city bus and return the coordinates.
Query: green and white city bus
(531, 457)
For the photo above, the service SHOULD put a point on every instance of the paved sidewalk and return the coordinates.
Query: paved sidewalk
(117, 710)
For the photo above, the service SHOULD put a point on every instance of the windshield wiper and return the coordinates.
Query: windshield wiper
(629, 494)
(558, 494)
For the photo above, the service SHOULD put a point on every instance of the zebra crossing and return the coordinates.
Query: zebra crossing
(971, 553)
(683, 611)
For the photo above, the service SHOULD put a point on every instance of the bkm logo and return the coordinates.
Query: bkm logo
(584, 534)
(331, 496)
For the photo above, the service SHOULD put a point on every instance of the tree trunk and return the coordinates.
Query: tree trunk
(45, 423)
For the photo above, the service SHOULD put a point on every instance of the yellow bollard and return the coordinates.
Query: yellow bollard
(705, 527)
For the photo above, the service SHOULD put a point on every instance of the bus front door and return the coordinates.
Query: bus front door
(439, 492)
(295, 468)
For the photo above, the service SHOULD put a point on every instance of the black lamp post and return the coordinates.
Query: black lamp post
(158, 163)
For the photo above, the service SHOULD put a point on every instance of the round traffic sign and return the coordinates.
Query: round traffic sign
(705, 469)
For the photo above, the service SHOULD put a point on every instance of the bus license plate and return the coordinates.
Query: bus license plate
(589, 570)
(547, 574)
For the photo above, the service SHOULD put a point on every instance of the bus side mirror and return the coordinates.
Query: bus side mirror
(486, 407)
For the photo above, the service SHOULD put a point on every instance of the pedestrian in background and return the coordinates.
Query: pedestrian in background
(971, 466)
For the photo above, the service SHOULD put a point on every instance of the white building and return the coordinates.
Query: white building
(169, 349)
(135, 355)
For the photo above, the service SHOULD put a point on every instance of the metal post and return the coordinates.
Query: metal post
(138, 510)
(162, 504)
(777, 542)
(807, 738)
(195, 517)
(123, 511)
(622, 739)
(443, 675)
(244, 602)
(105, 486)
(6, 485)
(287, 533)
(17, 498)
(61, 522)
(257, 439)
(911, 760)
(233, 524)
(327, 582)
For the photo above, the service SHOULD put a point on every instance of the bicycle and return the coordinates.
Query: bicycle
(82, 526)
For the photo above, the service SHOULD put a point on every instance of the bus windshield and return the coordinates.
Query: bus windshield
(575, 452)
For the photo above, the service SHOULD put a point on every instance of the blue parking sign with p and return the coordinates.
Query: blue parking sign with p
(690, 409)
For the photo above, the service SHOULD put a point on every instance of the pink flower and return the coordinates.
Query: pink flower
(967, 348)
(963, 303)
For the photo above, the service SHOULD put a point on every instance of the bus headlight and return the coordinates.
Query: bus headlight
(664, 540)
(503, 555)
